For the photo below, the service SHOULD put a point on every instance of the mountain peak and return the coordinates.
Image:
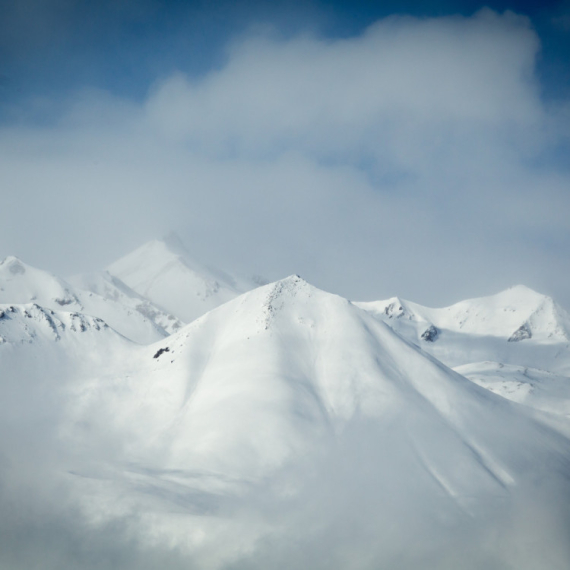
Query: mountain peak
(14, 265)
(163, 272)
(395, 308)
(163, 247)
(23, 283)
(293, 280)
(9, 258)
(288, 287)
(522, 292)
(163, 250)
(173, 242)
(292, 286)
(522, 288)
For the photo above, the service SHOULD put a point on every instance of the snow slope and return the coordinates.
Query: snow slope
(113, 289)
(21, 283)
(162, 271)
(529, 386)
(517, 326)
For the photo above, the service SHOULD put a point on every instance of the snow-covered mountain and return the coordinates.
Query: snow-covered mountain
(271, 379)
(112, 288)
(288, 415)
(21, 283)
(517, 326)
(163, 272)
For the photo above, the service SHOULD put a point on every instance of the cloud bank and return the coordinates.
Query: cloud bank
(417, 159)
(352, 506)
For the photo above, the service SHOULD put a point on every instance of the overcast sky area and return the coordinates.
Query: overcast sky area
(418, 149)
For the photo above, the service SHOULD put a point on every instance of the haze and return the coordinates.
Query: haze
(371, 151)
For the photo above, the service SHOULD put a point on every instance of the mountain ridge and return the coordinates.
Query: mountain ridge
(21, 283)
(501, 327)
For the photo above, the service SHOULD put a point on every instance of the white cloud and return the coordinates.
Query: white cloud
(387, 163)
(370, 94)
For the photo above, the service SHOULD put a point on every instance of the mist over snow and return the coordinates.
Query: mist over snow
(182, 403)
(417, 152)
(286, 428)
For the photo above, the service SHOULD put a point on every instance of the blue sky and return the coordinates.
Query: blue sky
(377, 149)
(51, 46)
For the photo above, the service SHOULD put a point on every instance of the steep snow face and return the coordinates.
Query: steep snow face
(113, 289)
(517, 326)
(163, 272)
(21, 283)
(273, 375)
(529, 386)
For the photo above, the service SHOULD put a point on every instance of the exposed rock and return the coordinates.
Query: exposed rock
(430, 334)
(16, 268)
(394, 309)
(522, 333)
(161, 351)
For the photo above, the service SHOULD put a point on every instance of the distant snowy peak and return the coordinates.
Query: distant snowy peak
(515, 314)
(162, 271)
(518, 326)
(394, 308)
(152, 260)
(399, 313)
(405, 317)
(21, 283)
